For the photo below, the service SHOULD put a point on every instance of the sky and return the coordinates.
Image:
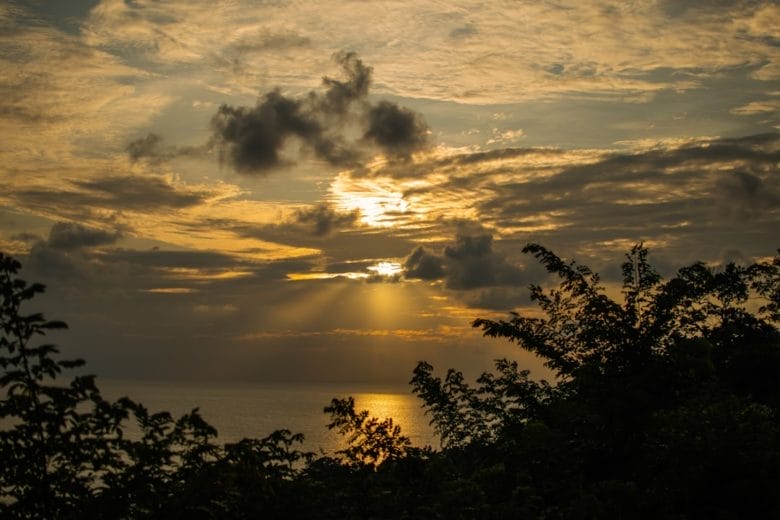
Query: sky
(333, 191)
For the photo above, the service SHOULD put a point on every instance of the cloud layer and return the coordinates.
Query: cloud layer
(586, 127)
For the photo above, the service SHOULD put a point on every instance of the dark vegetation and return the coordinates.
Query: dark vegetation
(666, 405)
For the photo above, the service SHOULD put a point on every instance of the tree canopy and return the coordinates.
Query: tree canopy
(665, 404)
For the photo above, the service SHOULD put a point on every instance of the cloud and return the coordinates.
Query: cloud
(493, 54)
(324, 220)
(151, 148)
(148, 146)
(746, 196)
(506, 136)
(187, 259)
(469, 263)
(71, 235)
(252, 140)
(266, 41)
(67, 253)
(767, 107)
(423, 265)
(395, 129)
(60, 94)
(25, 237)
(340, 94)
(464, 31)
(136, 192)
(152, 204)
(314, 225)
(684, 198)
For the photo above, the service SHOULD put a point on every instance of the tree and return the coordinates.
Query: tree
(370, 442)
(665, 404)
(63, 447)
(55, 452)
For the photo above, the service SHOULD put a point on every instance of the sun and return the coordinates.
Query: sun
(379, 201)
(386, 269)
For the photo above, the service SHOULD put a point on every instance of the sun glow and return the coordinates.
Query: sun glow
(387, 269)
(383, 269)
(379, 201)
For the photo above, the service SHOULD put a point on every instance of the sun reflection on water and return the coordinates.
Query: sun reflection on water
(404, 409)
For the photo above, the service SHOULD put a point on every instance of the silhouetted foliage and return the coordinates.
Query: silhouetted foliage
(370, 442)
(665, 405)
(462, 415)
(63, 448)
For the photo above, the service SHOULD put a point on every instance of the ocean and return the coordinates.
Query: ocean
(253, 410)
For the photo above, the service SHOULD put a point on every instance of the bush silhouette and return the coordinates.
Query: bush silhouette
(664, 405)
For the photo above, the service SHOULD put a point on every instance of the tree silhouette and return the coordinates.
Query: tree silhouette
(64, 452)
(54, 453)
(665, 404)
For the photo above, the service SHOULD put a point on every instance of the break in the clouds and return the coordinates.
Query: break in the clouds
(253, 139)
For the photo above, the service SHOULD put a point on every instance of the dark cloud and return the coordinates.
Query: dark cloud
(66, 254)
(688, 201)
(692, 177)
(252, 140)
(114, 193)
(157, 258)
(555, 69)
(499, 298)
(340, 94)
(324, 219)
(70, 235)
(469, 263)
(745, 196)
(48, 263)
(314, 226)
(464, 31)
(25, 237)
(684, 8)
(423, 265)
(140, 193)
(151, 148)
(395, 129)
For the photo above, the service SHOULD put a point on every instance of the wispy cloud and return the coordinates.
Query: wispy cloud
(442, 139)
(675, 194)
(498, 53)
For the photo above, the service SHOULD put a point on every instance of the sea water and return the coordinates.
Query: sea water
(253, 410)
